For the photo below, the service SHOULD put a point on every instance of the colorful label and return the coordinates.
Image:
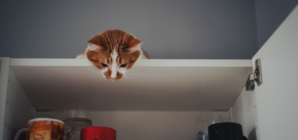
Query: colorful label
(45, 130)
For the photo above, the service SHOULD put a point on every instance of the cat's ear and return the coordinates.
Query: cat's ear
(96, 43)
(93, 47)
(132, 42)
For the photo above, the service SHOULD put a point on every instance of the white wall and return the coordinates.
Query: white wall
(245, 113)
(277, 97)
(15, 108)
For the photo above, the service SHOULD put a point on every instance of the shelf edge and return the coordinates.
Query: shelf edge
(142, 63)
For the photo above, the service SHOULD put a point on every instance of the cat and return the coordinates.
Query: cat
(114, 52)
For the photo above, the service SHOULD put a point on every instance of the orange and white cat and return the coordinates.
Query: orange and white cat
(114, 52)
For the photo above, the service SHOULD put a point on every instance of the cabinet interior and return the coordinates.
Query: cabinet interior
(159, 101)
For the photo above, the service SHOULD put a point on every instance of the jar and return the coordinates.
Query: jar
(73, 127)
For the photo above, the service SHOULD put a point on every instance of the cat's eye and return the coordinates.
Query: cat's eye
(104, 65)
(123, 65)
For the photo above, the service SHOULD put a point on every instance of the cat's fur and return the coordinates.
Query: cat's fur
(114, 52)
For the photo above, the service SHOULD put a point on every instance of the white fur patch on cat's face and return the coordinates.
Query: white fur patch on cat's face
(114, 68)
(122, 70)
(103, 71)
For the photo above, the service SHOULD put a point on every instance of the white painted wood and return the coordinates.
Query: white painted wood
(277, 97)
(189, 85)
(245, 113)
(3, 91)
(18, 108)
(14, 104)
(0, 63)
(144, 62)
(147, 125)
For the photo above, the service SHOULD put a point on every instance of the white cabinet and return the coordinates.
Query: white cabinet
(159, 99)
(171, 85)
(277, 97)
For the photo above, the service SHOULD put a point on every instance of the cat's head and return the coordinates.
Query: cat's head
(113, 52)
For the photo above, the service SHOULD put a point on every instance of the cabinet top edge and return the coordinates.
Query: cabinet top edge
(16, 62)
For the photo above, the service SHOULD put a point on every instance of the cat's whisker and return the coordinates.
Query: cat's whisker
(93, 73)
(130, 79)
(99, 77)
(97, 73)
(132, 72)
(93, 70)
(133, 75)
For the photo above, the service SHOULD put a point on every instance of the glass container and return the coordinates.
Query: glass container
(203, 121)
(73, 127)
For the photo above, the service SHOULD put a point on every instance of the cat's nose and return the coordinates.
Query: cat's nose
(113, 78)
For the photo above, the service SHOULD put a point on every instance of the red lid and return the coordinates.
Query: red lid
(98, 133)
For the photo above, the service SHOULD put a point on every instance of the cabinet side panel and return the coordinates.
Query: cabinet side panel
(277, 96)
(3, 91)
(17, 110)
(245, 113)
(0, 63)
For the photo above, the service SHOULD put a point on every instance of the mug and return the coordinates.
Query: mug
(226, 131)
(98, 133)
(42, 129)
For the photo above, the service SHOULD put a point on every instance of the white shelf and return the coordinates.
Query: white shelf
(154, 84)
(145, 62)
